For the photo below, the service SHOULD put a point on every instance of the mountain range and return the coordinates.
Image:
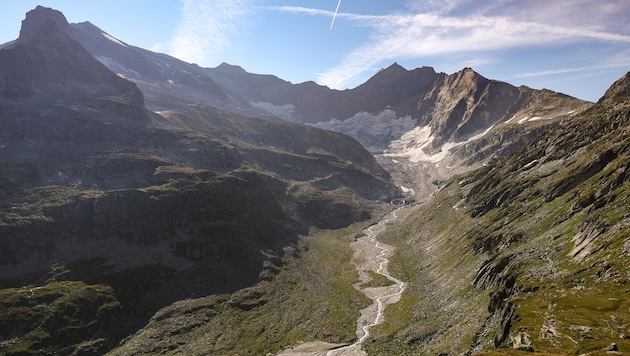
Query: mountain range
(147, 203)
(441, 116)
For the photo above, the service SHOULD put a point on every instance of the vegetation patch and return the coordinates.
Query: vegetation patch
(57, 316)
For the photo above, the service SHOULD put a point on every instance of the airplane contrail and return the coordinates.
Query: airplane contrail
(335, 15)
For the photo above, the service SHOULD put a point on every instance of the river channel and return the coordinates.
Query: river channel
(374, 256)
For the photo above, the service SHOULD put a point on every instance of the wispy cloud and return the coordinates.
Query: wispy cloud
(619, 60)
(205, 29)
(553, 72)
(461, 26)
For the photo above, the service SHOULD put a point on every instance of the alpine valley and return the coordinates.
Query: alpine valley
(151, 206)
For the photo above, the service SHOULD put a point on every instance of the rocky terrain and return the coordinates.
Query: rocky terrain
(150, 206)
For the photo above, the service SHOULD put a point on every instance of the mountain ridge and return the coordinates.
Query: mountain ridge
(521, 250)
(422, 94)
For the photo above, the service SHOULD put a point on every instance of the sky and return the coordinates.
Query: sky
(577, 47)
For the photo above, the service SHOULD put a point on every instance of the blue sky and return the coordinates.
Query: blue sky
(578, 47)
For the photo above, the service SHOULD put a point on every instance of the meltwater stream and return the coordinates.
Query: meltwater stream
(375, 257)
(372, 315)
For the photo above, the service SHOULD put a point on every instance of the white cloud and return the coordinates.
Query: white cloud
(205, 29)
(466, 26)
(620, 60)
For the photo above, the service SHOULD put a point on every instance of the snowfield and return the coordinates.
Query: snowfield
(374, 131)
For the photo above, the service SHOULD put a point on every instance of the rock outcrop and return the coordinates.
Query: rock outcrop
(46, 66)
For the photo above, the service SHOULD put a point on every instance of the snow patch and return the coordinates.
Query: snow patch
(529, 119)
(116, 67)
(113, 39)
(407, 190)
(284, 112)
(412, 144)
(511, 119)
(530, 164)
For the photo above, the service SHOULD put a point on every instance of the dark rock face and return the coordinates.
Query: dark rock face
(46, 65)
(37, 20)
(618, 93)
(463, 104)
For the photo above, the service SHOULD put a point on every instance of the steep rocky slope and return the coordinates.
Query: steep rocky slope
(109, 212)
(159, 76)
(529, 252)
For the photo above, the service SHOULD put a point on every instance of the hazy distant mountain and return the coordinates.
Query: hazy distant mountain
(162, 78)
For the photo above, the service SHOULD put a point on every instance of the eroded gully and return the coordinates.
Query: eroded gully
(375, 257)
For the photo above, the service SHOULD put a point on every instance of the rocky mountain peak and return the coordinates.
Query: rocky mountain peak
(40, 19)
(230, 68)
(395, 67)
(47, 65)
(618, 92)
(468, 77)
(392, 73)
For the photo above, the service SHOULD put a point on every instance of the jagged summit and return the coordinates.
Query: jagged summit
(396, 70)
(47, 66)
(393, 67)
(39, 19)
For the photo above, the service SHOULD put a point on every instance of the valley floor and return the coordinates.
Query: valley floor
(371, 258)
